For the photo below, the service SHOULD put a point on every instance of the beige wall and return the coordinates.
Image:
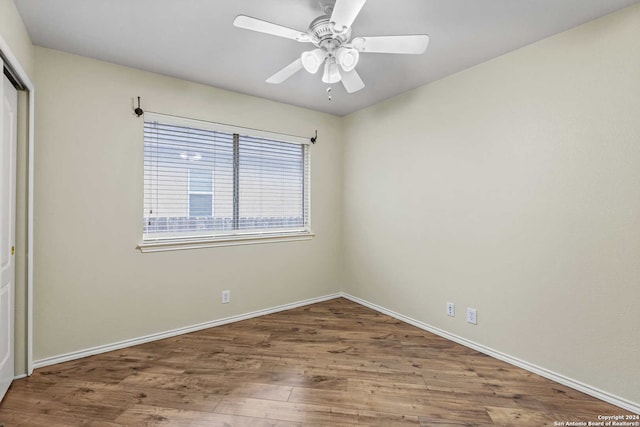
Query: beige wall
(21, 320)
(15, 35)
(92, 286)
(512, 187)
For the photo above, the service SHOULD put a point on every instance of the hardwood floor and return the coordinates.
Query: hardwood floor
(333, 364)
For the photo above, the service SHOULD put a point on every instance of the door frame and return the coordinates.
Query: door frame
(12, 61)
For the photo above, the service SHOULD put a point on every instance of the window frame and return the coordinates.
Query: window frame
(170, 242)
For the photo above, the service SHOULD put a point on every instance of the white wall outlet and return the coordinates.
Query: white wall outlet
(451, 309)
(226, 297)
(472, 316)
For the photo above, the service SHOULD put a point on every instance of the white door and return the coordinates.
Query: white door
(8, 124)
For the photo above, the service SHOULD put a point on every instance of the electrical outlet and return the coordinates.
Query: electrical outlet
(226, 297)
(451, 309)
(472, 316)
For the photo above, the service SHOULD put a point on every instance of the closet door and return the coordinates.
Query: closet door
(8, 124)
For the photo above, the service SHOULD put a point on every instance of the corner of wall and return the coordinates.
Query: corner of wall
(16, 37)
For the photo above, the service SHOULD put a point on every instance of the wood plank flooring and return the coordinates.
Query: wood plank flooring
(329, 364)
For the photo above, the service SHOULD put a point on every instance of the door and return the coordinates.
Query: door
(8, 125)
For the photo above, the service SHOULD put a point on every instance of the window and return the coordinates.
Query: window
(200, 192)
(211, 182)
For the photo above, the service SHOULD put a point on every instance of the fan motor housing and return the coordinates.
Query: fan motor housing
(321, 30)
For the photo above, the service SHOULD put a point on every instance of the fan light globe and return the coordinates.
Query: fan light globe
(331, 72)
(312, 60)
(347, 58)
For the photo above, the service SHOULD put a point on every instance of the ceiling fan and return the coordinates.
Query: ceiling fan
(331, 35)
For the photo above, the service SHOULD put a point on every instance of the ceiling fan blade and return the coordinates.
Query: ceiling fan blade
(351, 81)
(345, 12)
(254, 24)
(286, 72)
(392, 44)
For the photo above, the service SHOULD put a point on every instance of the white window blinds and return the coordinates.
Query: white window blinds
(207, 180)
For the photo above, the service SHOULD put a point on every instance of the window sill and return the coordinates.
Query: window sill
(180, 245)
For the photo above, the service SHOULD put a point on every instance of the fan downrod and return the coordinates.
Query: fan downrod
(327, 6)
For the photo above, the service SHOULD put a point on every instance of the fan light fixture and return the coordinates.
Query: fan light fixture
(347, 58)
(331, 72)
(313, 59)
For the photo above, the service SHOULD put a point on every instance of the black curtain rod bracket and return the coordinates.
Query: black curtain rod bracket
(314, 138)
(138, 110)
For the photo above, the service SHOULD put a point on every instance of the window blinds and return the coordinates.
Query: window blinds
(206, 180)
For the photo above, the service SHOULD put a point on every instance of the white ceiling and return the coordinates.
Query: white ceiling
(195, 39)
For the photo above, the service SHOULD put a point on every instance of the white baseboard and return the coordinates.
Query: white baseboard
(561, 379)
(174, 332)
